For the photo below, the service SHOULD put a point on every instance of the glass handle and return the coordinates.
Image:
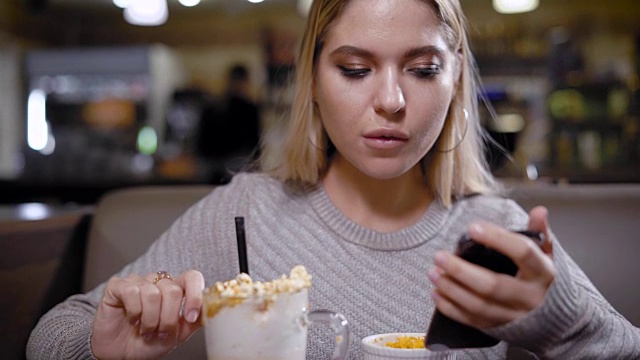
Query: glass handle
(340, 326)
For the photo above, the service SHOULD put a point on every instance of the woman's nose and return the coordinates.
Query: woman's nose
(390, 97)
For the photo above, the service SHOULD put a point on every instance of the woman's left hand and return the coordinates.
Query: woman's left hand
(481, 298)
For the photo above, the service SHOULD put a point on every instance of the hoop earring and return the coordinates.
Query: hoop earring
(464, 132)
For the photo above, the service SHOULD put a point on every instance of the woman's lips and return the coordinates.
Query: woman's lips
(385, 139)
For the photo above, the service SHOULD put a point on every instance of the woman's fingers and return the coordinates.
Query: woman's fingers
(463, 305)
(125, 293)
(193, 284)
(480, 297)
(485, 284)
(156, 308)
(532, 262)
(539, 221)
(171, 303)
(143, 315)
(151, 299)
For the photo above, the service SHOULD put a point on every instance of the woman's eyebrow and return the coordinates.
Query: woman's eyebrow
(352, 50)
(409, 54)
(424, 50)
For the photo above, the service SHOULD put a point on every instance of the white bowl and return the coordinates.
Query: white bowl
(374, 349)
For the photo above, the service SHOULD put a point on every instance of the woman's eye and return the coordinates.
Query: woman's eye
(426, 71)
(355, 73)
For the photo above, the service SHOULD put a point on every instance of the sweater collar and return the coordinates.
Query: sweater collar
(415, 235)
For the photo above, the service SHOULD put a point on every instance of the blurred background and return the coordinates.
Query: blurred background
(101, 94)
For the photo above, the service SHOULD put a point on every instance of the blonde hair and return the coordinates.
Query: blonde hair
(453, 168)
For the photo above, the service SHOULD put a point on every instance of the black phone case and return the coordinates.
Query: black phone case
(444, 333)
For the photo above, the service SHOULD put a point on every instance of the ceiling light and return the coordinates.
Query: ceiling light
(122, 4)
(515, 6)
(146, 12)
(189, 3)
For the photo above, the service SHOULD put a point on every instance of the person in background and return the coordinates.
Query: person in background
(230, 132)
(381, 173)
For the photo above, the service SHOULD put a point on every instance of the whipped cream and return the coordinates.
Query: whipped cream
(235, 291)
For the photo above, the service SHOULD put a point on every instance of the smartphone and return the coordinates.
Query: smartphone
(444, 333)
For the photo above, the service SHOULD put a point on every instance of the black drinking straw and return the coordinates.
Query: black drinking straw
(242, 245)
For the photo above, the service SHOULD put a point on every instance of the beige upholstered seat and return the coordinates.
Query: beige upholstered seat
(599, 225)
(124, 224)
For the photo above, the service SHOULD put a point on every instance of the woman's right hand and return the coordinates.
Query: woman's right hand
(137, 319)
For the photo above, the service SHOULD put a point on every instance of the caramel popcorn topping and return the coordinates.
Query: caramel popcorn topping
(236, 291)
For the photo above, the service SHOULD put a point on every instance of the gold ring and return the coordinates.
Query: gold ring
(161, 275)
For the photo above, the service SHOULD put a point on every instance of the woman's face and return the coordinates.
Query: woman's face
(383, 84)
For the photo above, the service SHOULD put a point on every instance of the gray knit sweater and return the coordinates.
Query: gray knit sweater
(377, 280)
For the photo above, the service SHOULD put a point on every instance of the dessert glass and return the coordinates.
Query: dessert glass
(253, 320)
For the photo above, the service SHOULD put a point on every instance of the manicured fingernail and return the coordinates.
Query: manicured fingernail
(440, 258)
(434, 275)
(147, 336)
(163, 335)
(192, 316)
(476, 227)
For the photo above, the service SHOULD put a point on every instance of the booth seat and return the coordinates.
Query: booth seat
(124, 224)
(597, 224)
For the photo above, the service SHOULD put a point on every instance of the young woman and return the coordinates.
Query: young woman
(381, 174)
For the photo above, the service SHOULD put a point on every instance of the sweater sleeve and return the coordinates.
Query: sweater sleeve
(574, 321)
(192, 242)
(64, 331)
